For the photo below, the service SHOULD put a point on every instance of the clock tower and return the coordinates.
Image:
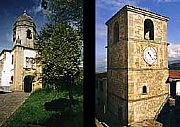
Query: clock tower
(137, 65)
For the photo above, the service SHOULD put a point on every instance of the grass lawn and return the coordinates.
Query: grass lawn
(33, 112)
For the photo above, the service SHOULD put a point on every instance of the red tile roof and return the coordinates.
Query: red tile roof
(102, 74)
(174, 74)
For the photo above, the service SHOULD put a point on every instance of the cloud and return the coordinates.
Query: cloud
(37, 8)
(174, 51)
(101, 63)
(118, 3)
(101, 30)
(167, 1)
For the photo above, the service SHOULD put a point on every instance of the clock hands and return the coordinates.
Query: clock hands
(150, 55)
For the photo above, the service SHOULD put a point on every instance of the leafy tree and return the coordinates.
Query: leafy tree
(70, 11)
(60, 43)
(60, 56)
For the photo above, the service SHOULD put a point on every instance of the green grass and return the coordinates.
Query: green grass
(34, 112)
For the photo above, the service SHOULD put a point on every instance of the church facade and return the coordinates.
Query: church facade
(137, 68)
(20, 68)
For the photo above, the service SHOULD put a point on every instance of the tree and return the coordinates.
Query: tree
(60, 42)
(61, 56)
(69, 11)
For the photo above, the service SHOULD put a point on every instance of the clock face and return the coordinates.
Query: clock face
(150, 55)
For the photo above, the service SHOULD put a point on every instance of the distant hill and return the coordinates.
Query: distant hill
(174, 66)
(171, 61)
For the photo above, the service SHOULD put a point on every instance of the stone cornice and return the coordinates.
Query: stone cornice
(146, 12)
(139, 11)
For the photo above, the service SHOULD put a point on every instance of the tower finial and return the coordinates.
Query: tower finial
(25, 11)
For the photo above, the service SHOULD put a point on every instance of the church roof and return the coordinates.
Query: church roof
(24, 17)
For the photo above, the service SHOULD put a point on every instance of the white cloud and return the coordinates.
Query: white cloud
(101, 63)
(174, 51)
(101, 30)
(118, 3)
(161, 1)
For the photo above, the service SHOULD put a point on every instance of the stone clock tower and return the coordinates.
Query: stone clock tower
(137, 64)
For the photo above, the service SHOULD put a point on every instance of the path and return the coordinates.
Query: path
(9, 102)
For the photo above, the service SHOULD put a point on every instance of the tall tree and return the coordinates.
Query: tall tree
(60, 42)
(61, 56)
(70, 11)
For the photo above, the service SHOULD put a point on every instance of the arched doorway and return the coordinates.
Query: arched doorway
(28, 83)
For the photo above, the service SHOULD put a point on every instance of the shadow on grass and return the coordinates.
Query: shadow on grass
(62, 114)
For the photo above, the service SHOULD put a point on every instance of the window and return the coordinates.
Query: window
(12, 59)
(30, 62)
(144, 89)
(29, 34)
(116, 32)
(148, 30)
(11, 78)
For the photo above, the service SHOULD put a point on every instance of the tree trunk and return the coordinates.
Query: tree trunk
(70, 90)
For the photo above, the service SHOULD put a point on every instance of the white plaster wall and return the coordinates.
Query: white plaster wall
(28, 53)
(178, 88)
(7, 71)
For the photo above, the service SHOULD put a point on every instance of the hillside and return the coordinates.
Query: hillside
(174, 66)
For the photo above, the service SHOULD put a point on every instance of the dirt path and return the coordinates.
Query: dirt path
(9, 102)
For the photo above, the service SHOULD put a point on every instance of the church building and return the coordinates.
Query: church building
(20, 68)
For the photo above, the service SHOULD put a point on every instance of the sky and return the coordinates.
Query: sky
(105, 9)
(10, 10)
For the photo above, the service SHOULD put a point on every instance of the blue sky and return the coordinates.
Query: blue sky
(105, 9)
(10, 10)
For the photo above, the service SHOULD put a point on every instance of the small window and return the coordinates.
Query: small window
(148, 30)
(116, 32)
(11, 78)
(144, 89)
(12, 59)
(29, 34)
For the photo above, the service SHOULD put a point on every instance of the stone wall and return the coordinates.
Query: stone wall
(145, 106)
(18, 69)
(117, 68)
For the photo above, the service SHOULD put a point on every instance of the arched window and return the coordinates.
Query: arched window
(12, 78)
(116, 32)
(148, 30)
(29, 34)
(144, 89)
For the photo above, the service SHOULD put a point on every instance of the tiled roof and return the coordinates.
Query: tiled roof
(175, 74)
(102, 74)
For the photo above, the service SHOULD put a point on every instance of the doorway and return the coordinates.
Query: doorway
(28, 83)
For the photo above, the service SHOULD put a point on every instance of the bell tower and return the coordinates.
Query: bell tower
(24, 31)
(137, 64)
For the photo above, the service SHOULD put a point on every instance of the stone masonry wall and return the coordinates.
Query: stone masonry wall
(117, 64)
(145, 106)
(18, 69)
(144, 109)
(127, 70)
